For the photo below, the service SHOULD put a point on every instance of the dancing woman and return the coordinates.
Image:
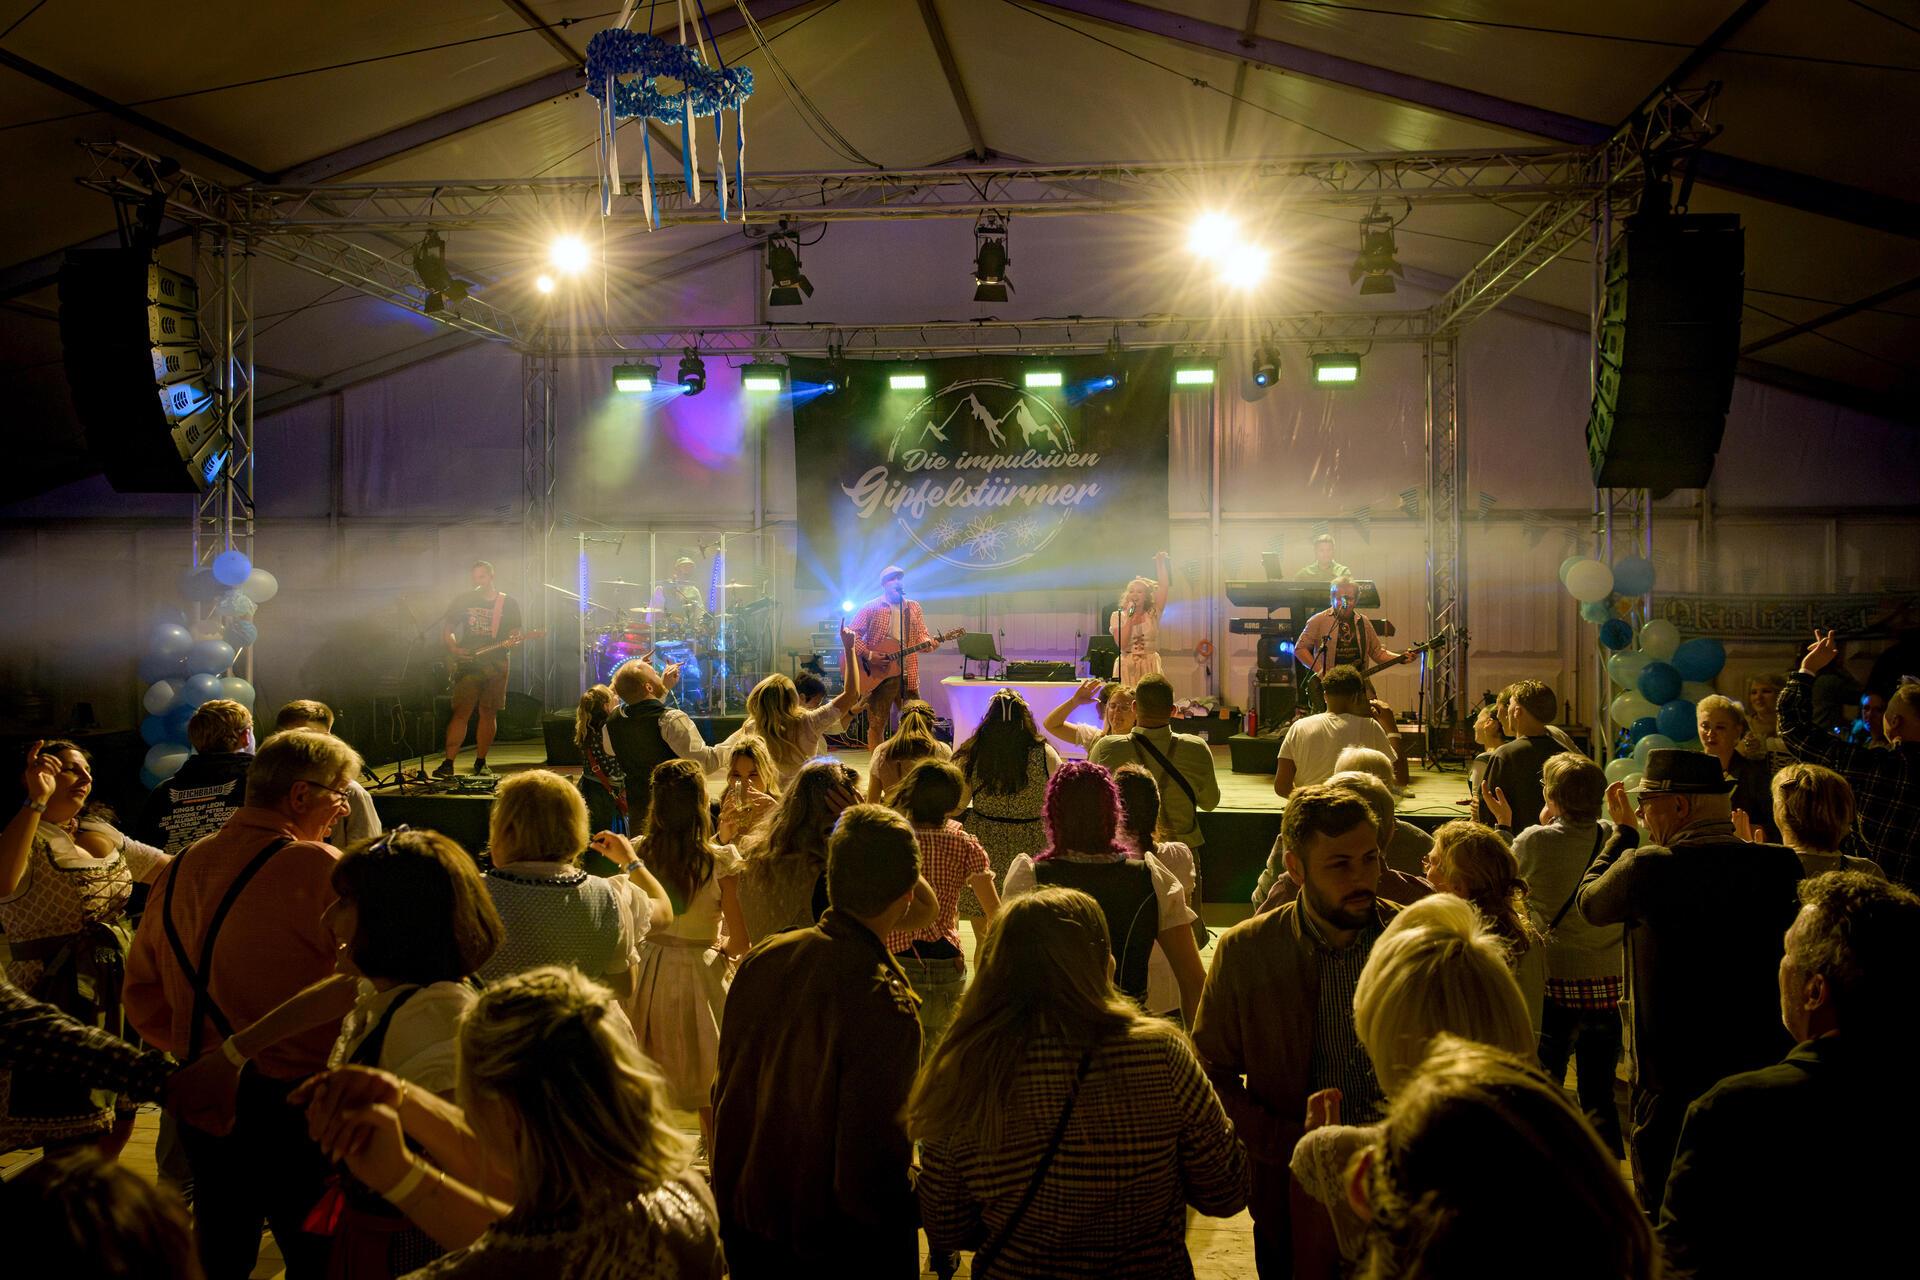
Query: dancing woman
(1135, 625)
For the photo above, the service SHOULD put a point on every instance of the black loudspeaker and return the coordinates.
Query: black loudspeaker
(1272, 696)
(130, 330)
(1669, 340)
(1038, 671)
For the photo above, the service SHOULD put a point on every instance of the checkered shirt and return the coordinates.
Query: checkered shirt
(1886, 783)
(948, 855)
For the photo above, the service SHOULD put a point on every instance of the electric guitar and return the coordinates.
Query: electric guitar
(458, 666)
(1311, 685)
(877, 666)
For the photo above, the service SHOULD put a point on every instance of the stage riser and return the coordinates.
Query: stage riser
(1238, 840)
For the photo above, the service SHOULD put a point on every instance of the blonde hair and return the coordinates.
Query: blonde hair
(774, 706)
(304, 713)
(537, 815)
(1715, 702)
(914, 739)
(549, 1045)
(805, 819)
(297, 755)
(754, 748)
(1044, 973)
(219, 724)
(1477, 865)
(1812, 806)
(1365, 760)
(1482, 1168)
(1152, 590)
(1436, 967)
(1377, 794)
(592, 712)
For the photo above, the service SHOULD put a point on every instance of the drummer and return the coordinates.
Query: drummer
(679, 598)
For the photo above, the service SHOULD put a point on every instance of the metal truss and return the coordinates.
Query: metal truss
(539, 390)
(1200, 334)
(223, 514)
(1524, 175)
(1446, 666)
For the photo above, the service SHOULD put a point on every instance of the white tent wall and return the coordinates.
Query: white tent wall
(374, 500)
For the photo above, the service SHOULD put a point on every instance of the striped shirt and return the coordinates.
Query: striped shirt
(1147, 1138)
(948, 856)
(1338, 1061)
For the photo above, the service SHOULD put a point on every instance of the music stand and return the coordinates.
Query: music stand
(1102, 652)
(978, 646)
(1270, 564)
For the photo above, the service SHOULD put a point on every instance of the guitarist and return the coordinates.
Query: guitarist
(883, 630)
(1337, 636)
(476, 618)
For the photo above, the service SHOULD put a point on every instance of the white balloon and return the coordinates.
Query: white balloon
(237, 690)
(1624, 668)
(1630, 706)
(1658, 639)
(260, 586)
(160, 695)
(1632, 782)
(1590, 580)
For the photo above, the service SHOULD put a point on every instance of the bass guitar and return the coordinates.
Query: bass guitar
(877, 666)
(1318, 701)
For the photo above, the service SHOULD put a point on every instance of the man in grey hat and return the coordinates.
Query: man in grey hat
(1704, 911)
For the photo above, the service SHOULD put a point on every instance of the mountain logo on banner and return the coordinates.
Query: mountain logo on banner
(980, 474)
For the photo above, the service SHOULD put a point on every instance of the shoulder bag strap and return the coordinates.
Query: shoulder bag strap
(1599, 836)
(1178, 778)
(367, 1052)
(200, 977)
(983, 1258)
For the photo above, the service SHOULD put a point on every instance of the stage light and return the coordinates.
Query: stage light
(543, 282)
(846, 606)
(1336, 368)
(1242, 266)
(1213, 235)
(907, 381)
(990, 283)
(693, 373)
(763, 377)
(783, 268)
(1042, 378)
(1193, 371)
(635, 377)
(1375, 266)
(1107, 383)
(569, 255)
(1266, 366)
(430, 266)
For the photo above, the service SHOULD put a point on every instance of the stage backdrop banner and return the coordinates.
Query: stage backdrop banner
(979, 483)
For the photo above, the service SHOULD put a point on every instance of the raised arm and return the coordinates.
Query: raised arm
(849, 696)
(1163, 581)
(16, 841)
(1805, 739)
(1056, 720)
(683, 735)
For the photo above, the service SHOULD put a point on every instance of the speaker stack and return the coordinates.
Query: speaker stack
(1668, 343)
(131, 332)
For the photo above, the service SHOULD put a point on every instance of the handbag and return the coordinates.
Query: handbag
(983, 1257)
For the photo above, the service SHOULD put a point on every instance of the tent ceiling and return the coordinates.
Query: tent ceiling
(1049, 81)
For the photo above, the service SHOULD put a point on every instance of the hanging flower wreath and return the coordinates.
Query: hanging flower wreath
(631, 63)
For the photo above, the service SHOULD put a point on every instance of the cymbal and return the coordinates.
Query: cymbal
(736, 586)
(621, 582)
(643, 608)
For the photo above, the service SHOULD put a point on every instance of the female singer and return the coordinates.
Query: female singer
(1136, 623)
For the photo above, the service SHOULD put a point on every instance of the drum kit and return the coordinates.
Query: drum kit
(719, 654)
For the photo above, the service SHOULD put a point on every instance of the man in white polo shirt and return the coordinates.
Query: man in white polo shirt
(1313, 743)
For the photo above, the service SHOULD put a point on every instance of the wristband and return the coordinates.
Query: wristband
(415, 1175)
(36, 806)
(633, 866)
(231, 1052)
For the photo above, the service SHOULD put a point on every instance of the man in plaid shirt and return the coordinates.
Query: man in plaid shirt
(885, 626)
(1885, 780)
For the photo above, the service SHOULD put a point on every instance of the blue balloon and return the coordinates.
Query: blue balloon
(230, 568)
(1616, 633)
(1700, 658)
(154, 667)
(197, 690)
(1596, 611)
(198, 585)
(241, 632)
(1677, 721)
(169, 640)
(173, 725)
(1641, 728)
(1660, 683)
(210, 657)
(153, 730)
(1633, 576)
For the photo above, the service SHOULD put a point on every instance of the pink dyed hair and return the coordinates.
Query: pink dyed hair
(1082, 811)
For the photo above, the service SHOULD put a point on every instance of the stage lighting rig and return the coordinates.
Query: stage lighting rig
(1376, 266)
(1193, 371)
(430, 265)
(569, 255)
(693, 373)
(1335, 368)
(783, 268)
(635, 377)
(760, 376)
(1266, 366)
(990, 283)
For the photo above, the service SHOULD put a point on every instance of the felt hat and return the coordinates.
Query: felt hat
(1671, 771)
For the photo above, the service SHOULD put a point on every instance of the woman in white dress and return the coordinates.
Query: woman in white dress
(1135, 625)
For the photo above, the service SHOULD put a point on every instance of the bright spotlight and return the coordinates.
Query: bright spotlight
(907, 381)
(1212, 235)
(1266, 366)
(569, 255)
(1194, 371)
(693, 373)
(543, 282)
(846, 606)
(763, 377)
(635, 377)
(1107, 383)
(1242, 266)
(1336, 368)
(1040, 378)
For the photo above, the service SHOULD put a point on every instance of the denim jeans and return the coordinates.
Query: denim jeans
(1591, 1037)
(938, 983)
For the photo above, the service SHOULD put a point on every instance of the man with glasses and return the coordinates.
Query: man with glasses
(1704, 911)
(258, 887)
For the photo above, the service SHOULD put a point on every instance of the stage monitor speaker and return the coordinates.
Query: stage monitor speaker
(1022, 672)
(130, 330)
(1668, 343)
(1272, 696)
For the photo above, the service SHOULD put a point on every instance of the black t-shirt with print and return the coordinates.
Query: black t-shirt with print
(470, 619)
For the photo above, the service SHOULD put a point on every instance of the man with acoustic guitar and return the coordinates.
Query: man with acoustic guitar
(890, 635)
(480, 630)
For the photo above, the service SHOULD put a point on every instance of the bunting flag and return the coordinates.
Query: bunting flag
(1410, 501)
(1321, 527)
(1487, 502)
(1363, 522)
(1533, 527)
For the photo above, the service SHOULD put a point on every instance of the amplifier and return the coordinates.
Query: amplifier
(1035, 671)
